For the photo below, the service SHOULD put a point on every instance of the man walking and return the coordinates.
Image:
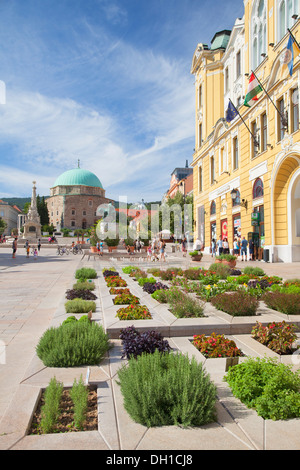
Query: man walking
(244, 246)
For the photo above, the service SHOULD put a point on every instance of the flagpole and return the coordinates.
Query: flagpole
(294, 38)
(284, 120)
(253, 136)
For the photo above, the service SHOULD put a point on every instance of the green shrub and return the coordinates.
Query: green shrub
(72, 319)
(128, 269)
(50, 410)
(270, 387)
(163, 389)
(80, 305)
(79, 395)
(142, 280)
(84, 285)
(238, 303)
(254, 270)
(85, 273)
(160, 295)
(283, 302)
(221, 270)
(74, 344)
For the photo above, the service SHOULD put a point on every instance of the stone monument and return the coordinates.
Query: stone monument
(32, 226)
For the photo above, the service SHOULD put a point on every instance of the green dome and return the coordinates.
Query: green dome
(78, 177)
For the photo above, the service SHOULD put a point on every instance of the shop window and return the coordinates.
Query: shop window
(258, 188)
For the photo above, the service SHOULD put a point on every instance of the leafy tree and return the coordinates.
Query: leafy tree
(3, 226)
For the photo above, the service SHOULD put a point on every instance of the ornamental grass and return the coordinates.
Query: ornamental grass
(80, 306)
(239, 303)
(288, 303)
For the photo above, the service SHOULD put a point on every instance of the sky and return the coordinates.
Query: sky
(107, 82)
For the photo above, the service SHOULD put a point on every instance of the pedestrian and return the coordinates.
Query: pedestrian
(101, 248)
(28, 250)
(251, 250)
(14, 247)
(39, 244)
(35, 253)
(220, 245)
(244, 248)
(149, 253)
(225, 246)
(213, 248)
(162, 250)
(184, 246)
(236, 249)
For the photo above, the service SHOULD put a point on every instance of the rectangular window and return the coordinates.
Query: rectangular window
(295, 110)
(264, 133)
(280, 129)
(238, 64)
(200, 187)
(200, 97)
(200, 135)
(212, 170)
(255, 148)
(235, 145)
(226, 80)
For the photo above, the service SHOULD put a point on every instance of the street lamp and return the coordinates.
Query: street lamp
(243, 202)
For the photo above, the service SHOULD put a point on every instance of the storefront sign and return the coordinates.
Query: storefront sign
(255, 218)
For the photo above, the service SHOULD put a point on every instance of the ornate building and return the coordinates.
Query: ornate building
(74, 199)
(247, 168)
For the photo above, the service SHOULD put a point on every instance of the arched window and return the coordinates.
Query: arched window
(285, 11)
(259, 32)
(213, 208)
(237, 200)
(258, 188)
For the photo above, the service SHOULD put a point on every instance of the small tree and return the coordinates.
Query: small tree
(3, 226)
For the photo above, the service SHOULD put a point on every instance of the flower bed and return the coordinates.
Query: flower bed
(216, 346)
(279, 337)
(66, 417)
(80, 306)
(238, 303)
(135, 343)
(84, 294)
(149, 287)
(283, 302)
(117, 291)
(134, 312)
(269, 387)
(115, 281)
(123, 299)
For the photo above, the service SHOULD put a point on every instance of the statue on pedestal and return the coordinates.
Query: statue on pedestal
(32, 226)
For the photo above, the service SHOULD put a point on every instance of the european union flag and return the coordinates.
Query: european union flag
(231, 112)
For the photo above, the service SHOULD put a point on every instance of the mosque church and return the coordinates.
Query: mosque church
(74, 199)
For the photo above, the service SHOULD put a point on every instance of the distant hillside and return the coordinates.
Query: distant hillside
(16, 201)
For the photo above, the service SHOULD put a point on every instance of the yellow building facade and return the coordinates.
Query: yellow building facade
(256, 156)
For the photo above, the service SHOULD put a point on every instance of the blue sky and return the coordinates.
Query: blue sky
(104, 81)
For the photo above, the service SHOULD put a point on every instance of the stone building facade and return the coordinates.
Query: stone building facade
(74, 199)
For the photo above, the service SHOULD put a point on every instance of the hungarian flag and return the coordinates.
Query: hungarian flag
(253, 89)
